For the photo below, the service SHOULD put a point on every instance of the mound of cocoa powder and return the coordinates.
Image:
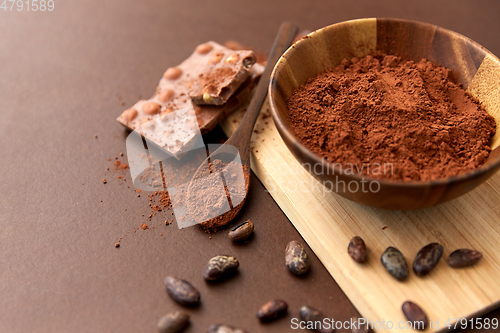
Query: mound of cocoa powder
(380, 110)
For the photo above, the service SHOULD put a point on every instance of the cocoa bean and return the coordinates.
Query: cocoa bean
(220, 266)
(357, 249)
(241, 232)
(218, 328)
(173, 322)
(314, 320)
(272, 310)
(464, 258)
(427, 258)
(296, 258)
(415, 314)
(395, 263)
(182, 291)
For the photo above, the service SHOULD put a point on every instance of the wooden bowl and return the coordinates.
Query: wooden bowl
(472, 65)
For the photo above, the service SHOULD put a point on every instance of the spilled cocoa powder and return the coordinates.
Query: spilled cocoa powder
(381, 110)
(121, 166)
(158, 201)
(203, 198)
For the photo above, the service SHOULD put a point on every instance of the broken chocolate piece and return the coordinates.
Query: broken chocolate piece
(167, 118)
(222, 72)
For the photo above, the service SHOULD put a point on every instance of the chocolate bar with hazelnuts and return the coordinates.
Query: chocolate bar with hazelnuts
(181, 89)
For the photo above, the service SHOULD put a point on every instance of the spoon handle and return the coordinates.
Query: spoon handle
(242, 135)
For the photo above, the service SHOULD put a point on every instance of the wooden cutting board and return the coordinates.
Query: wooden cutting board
(327, 222)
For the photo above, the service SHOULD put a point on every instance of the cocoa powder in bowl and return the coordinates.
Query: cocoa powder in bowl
(380, 110)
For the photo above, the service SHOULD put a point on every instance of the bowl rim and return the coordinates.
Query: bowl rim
(290, 137)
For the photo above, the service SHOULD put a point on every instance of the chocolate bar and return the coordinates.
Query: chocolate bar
(169, 117)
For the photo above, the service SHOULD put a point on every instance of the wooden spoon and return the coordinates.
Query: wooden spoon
(238, 143)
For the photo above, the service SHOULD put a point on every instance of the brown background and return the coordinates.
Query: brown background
(64, 76)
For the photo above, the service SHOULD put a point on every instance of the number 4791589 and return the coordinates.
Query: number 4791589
(33, 5)
(477, 323)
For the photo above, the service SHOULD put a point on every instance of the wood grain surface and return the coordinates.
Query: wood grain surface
(327, 222)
